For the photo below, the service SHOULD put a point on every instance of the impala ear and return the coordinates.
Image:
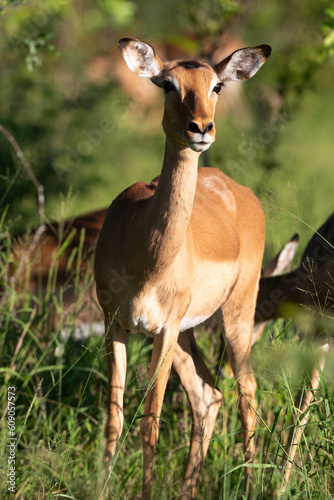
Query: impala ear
(243, 63)
(140, 57)
(283, 259)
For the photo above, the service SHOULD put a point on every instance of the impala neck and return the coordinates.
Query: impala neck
(173, 201)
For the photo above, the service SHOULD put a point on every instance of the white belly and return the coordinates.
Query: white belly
(188, 322)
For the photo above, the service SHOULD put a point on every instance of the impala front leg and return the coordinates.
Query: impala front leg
(116, 350)
(163, 349)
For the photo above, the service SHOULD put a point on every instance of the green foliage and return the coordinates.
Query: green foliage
(42, 64)
(121, 12)
(75, 124)
(209, 18)
(328, 31)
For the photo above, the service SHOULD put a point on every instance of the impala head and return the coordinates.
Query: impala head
(191, 87)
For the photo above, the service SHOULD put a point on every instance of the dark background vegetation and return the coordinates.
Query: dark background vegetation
(89, 128)
(62, 76)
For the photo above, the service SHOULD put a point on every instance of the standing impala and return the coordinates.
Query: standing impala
(188, 245)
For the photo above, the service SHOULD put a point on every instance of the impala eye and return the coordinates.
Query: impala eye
(168, 86)
(217, 88)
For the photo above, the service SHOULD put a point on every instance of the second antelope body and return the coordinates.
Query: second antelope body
(189, 246)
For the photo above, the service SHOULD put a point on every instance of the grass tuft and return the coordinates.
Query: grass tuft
(60, 411)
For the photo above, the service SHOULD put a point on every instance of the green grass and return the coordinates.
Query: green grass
(61, 413)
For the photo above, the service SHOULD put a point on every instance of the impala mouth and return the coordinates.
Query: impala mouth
(199, 146)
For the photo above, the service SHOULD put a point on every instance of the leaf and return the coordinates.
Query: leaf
(329, 39)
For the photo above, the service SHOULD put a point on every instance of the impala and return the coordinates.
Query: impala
(307, 290)
(59, 260)
(189, 245)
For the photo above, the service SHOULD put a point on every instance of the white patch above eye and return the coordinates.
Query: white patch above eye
(176, 84)
(214, 82)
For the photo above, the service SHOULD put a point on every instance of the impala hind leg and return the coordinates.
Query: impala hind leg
(205, 401)
(164, 346)
(116, 352)
(238, 331)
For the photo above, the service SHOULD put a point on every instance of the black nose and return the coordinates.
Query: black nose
(196, 129)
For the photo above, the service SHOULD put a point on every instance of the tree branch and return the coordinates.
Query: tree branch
(31, 175)
(41, 200)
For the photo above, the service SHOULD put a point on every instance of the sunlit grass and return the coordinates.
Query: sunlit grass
(61, 413)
